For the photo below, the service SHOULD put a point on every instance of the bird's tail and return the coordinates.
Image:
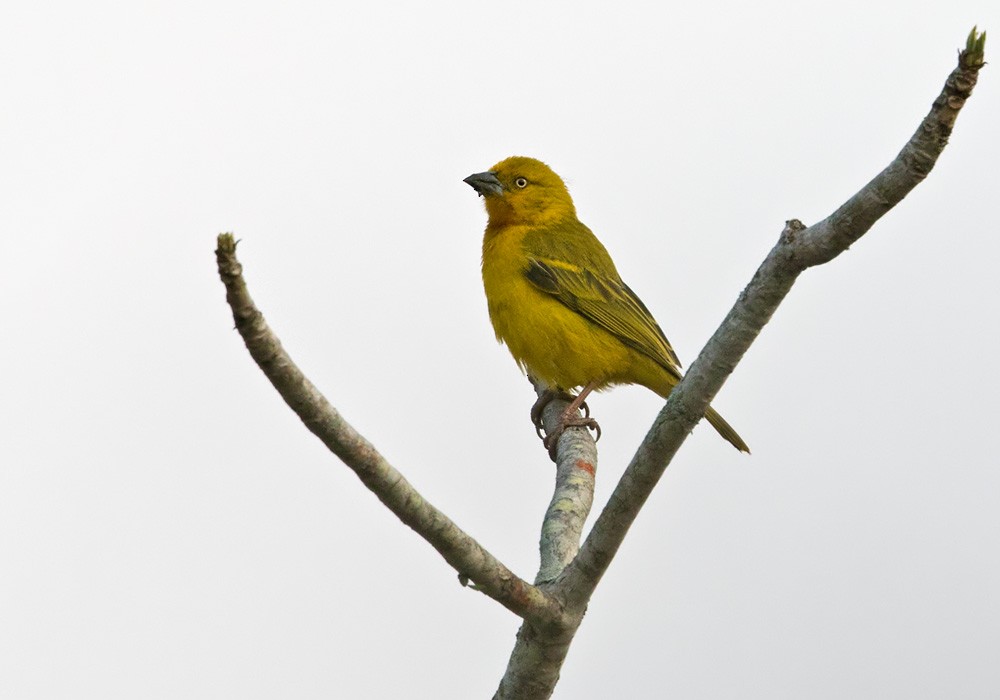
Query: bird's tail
(726, 430)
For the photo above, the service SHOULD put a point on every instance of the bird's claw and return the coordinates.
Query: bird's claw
(568, 419)
(551, 440)
(547, 397)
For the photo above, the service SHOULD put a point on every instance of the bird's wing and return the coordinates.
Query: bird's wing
(608, 302)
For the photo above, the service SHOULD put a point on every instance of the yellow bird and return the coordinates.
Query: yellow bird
(557, 301)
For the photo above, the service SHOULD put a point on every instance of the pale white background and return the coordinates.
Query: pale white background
(168, 529)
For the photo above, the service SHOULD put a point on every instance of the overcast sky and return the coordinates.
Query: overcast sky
(168, 528)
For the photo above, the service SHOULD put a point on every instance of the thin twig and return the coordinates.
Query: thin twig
(798, 248)
(461, 551)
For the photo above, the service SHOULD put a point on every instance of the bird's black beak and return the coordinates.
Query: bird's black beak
(484, 183)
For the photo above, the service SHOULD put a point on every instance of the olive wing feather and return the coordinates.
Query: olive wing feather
(608, 302)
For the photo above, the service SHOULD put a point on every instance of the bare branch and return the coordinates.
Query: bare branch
(576, 468)
(460, 550)
(797, 249)
(554, 607)
(538, 655)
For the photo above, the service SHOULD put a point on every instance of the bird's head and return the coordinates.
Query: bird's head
(523, 191)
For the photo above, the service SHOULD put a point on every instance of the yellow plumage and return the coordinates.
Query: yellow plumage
(555, 297)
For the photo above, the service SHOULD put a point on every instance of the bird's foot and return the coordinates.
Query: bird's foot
(569, 420)
(547, 397)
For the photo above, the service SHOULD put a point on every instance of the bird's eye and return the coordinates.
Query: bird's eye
(521, 182)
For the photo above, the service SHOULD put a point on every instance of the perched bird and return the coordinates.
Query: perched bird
(557, 301)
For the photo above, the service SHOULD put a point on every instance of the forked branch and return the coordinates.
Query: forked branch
(552, 609)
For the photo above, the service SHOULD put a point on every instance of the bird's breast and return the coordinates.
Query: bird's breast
(509, 295)
(552, 342)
